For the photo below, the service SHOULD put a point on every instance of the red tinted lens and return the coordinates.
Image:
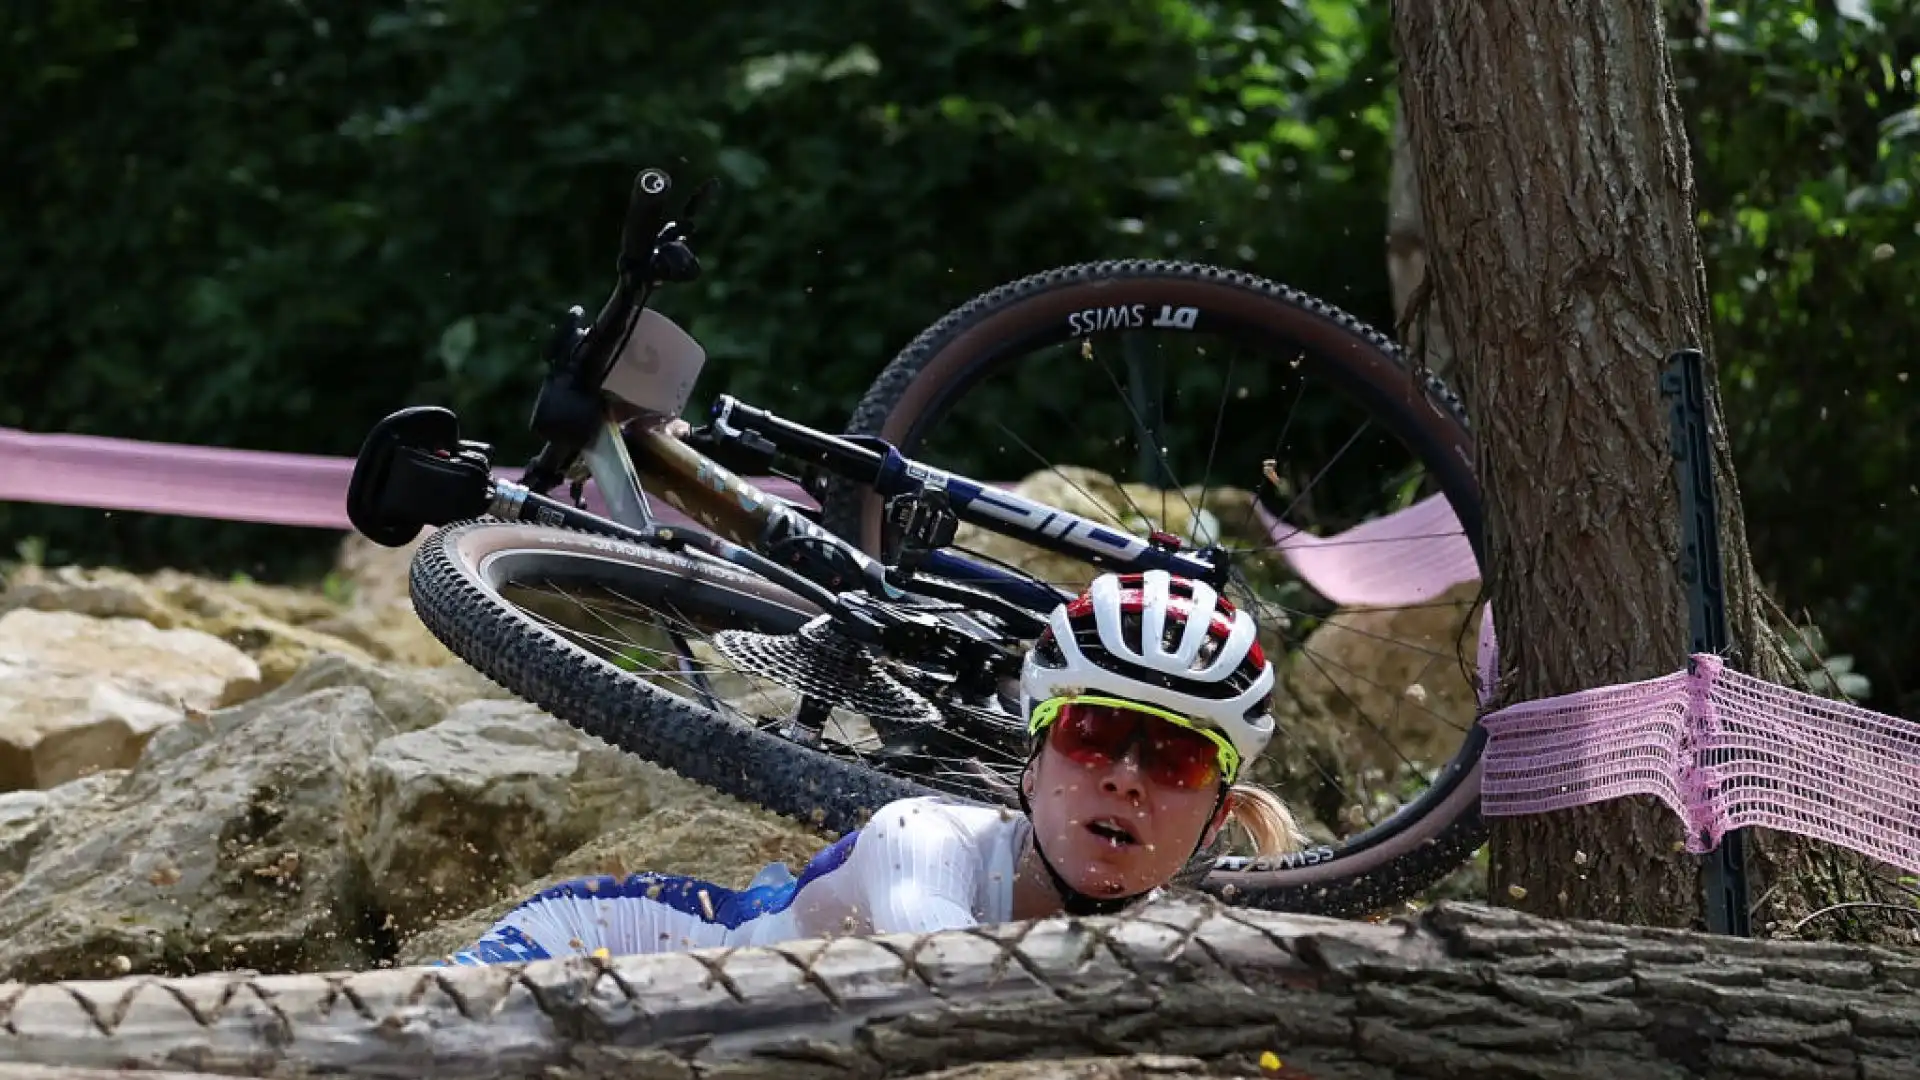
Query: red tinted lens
(1094, 734)
(1180, 757)
(1172, 755)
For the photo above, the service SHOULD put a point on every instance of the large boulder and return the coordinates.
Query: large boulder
(1371, 703)
(239, 852)
(410, 698)
(319, 825)
(487, 799)
(378, 610)
(281, 627)
(80, 694)
(1396, 680)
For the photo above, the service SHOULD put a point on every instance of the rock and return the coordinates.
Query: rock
(23, 825)
(410, 699)
(377, 576)
(313, 826)
(263, 620)
(166, 599)
(379, 615)
(106, 593)
(240, 852)
(80, 694)
(281, 627)
(1405, 669)
(1374, 694)
(290, 790)
(690, 831)
(489, 797)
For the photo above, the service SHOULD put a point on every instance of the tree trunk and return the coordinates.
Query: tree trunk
(1557, 197)
(1417, 326)
(1177, 988)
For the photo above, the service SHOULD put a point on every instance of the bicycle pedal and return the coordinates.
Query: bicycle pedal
(924, 522)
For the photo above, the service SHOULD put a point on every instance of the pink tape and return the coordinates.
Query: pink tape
(277, 488)
(1408, 557)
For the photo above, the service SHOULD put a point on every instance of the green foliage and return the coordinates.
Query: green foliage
(268, 227)
(1807, 150)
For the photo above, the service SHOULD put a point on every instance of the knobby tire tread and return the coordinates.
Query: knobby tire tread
(822, 792)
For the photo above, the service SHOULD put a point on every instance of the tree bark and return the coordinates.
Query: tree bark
(1558, 204)
(1176, 988)
(1416, 324)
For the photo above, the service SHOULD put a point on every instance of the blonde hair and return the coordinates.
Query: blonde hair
(1269, 825)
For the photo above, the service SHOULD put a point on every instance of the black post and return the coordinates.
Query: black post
(1684, 384)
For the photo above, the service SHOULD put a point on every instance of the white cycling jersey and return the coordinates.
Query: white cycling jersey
(919, 865)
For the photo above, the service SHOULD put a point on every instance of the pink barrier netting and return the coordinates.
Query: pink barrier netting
(1723, 750)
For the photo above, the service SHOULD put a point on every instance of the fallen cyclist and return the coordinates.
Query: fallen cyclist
(1146, 697)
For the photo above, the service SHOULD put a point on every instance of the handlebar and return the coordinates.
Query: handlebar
(646, 218)
(570, 399)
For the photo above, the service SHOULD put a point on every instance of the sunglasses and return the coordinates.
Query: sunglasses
(1100, 730)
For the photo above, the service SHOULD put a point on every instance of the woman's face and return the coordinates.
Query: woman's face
(1109, 826)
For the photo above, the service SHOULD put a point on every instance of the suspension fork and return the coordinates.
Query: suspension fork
(730, 506)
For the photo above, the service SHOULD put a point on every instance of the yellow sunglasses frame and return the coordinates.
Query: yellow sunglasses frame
(1045, 713)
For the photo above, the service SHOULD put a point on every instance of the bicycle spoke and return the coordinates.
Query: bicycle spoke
(1160, 452)
(1213, 444)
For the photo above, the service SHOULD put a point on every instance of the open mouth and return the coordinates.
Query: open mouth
(1112, 831)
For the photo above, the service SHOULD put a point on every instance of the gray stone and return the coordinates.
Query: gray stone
(240, 852)
(488, 798)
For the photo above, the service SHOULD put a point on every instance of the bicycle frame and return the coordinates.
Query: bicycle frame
(734, 507)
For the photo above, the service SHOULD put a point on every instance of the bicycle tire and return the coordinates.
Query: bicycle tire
(455, 594)
(1381, 866)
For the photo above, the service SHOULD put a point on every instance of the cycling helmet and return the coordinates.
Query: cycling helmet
(1135, 636)
(1163, 641)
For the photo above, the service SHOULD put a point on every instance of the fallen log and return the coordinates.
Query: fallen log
(1181, 988)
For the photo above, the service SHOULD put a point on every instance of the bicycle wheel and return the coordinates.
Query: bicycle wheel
(635, 645)
(1043, 337)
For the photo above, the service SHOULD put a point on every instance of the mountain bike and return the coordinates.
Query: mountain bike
(850, 642)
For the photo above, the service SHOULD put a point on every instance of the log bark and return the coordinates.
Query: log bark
(1184, 987)
(1557, 196)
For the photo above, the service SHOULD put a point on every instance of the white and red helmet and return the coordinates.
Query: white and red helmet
(1162, 640)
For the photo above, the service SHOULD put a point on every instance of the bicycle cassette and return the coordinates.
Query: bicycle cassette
(822, 663)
